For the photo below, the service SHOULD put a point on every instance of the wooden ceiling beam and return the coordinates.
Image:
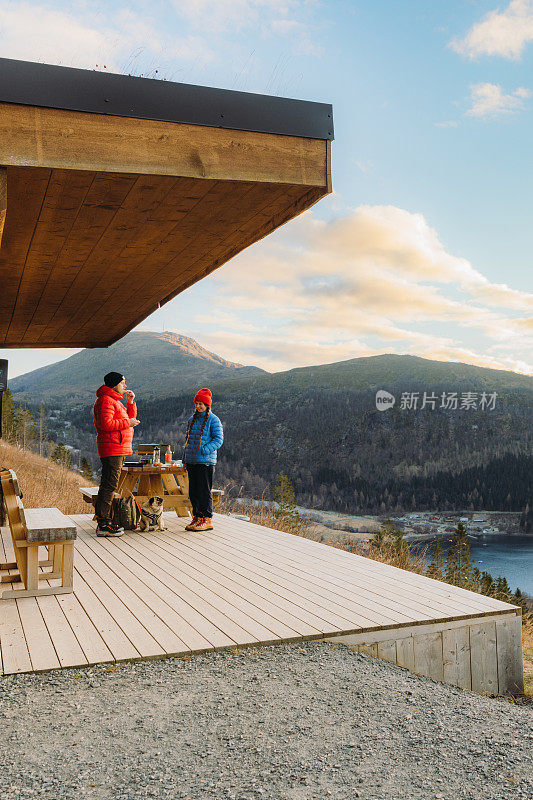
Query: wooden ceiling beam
(60, 139)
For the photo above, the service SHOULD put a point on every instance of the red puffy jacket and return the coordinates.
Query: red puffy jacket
(111, 420)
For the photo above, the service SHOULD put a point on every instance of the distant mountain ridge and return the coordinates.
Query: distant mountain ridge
(317, 424)
(370, 373)
(155, 364)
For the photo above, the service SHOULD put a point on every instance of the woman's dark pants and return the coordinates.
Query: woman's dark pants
(111, 466)
(200, 485)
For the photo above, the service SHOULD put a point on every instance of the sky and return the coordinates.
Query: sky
(425, 245)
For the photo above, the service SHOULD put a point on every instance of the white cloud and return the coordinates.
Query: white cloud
(489, 100)
(135, 39)
(232, 14)
(377, 279)
(123, 40)
(35, 32)
(501, 33)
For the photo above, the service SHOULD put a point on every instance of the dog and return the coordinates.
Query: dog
(152, 515)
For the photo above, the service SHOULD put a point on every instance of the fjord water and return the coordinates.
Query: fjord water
(507, 555)
(510, 556)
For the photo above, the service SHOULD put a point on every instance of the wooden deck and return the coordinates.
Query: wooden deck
(175, 593)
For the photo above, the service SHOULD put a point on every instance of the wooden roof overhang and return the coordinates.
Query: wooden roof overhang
(117, 193)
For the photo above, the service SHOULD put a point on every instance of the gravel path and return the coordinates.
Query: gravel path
(291, 722)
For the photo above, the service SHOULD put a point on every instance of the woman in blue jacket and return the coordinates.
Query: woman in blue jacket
(204, 437)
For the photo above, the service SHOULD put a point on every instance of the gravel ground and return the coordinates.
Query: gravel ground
(291, 722)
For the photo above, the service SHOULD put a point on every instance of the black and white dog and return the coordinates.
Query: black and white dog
(152, 515)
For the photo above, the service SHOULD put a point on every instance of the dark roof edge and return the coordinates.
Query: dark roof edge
(49, 86)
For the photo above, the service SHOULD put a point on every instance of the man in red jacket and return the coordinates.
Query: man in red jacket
(114, 435)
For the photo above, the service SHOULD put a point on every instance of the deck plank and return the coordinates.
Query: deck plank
(269, 625)
(118, 608)
(66, 645)
(281, 584)
(112, 634)
(303, 550)
(13, 648)
(152, 590)
(299, 618)
(177, 595)
(90, 640)
(343, 592)
(231, 632)
(15, 655)
(41, 648)
(176, 592)
(309, 589)
(165, 637)
(224, 582)
(367, 584)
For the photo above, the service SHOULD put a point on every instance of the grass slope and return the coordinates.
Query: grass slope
(43, 483)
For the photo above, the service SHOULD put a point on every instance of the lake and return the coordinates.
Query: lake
(510, 556)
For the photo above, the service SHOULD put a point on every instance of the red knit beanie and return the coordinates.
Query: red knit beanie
(204, 396)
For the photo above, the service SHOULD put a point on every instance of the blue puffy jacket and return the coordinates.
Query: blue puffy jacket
(212, 438)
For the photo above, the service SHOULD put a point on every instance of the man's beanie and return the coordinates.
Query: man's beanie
(203, 396)
(113, 379)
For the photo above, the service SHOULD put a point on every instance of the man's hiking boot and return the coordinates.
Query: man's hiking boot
(204, 524)
(106, 528)
(192, 525)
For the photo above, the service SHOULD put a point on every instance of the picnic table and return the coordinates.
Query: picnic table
(169, 481)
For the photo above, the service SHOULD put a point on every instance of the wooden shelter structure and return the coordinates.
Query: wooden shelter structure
(117, 193)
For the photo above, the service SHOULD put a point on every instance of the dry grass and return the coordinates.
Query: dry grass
(43, 483)
(262, 513)
(527, 644)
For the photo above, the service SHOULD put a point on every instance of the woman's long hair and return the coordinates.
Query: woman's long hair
(191, 423)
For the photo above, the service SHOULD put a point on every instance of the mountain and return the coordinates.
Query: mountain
(155, 364)
(319, 424)
(370, 373)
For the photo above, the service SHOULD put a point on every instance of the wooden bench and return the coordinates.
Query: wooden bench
(90, 493)
(32, 528)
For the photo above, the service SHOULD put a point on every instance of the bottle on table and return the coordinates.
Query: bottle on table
(168, 455)
(157, 457)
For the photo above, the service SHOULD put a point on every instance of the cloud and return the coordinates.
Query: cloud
(501, 33)
(136, 39)
(35, 32)
(280, 18)
(489, 101)
(123, 41)
(373, 280)
(228, 14)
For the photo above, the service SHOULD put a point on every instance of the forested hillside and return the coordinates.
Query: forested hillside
(320, 426)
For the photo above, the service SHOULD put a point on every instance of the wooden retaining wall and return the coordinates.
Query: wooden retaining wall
(483, 654)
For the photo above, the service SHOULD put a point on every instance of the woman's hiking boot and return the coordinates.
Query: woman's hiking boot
(204, 524)
(192, 525)
(107, 528)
